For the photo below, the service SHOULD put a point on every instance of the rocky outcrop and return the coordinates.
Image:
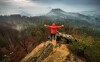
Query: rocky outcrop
(50, 52)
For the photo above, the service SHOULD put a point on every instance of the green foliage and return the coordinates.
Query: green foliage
(90, 32)
(77, 47)
(93, 52)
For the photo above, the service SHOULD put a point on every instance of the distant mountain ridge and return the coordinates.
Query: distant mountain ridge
(91, 13)
(75, 19)
(84, 17)
(59, 13)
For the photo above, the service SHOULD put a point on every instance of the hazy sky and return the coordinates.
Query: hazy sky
(39, 7)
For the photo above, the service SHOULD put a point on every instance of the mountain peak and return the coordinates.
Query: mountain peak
(56, 12)
(57, 9)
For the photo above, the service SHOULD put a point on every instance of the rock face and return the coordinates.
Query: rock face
(54, 54)
(59, 54)
(50, 52)
(34, 54)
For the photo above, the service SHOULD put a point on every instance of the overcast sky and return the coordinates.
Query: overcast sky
(40, 7)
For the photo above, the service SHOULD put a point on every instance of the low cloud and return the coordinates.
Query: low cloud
(37, 7)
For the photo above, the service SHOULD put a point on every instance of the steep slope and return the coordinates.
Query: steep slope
(57, 54)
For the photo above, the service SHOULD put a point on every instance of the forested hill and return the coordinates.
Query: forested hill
(19, 35)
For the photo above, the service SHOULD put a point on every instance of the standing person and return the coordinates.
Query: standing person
(53, 29)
